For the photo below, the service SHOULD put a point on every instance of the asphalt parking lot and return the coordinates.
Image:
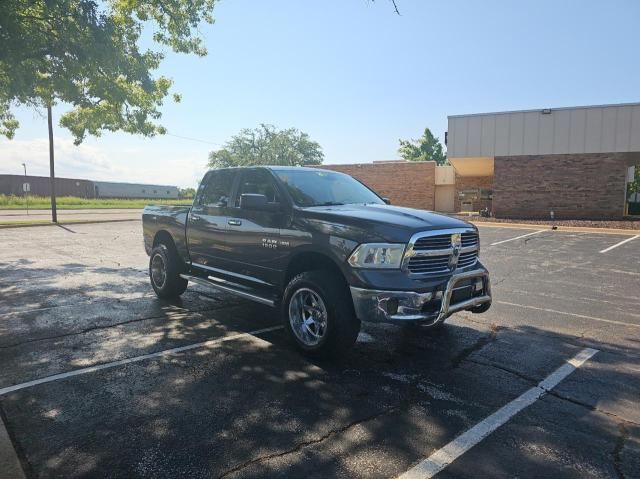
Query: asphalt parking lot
(99, 378)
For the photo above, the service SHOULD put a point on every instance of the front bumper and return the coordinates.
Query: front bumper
(430, 307)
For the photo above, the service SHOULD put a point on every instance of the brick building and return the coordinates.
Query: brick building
(405, 183)
(575, 161)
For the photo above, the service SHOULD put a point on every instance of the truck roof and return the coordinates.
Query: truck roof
(276, 168)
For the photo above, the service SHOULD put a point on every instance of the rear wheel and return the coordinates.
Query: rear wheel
(164, 272)
(317, 312)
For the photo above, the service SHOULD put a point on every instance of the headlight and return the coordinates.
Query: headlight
(377, 256)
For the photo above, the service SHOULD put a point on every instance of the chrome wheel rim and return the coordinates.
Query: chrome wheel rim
(308, 316)
(158, 271)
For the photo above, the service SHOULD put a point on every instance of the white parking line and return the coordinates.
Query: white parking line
(517, 237)
(440, 459)
(620, 244)
(166, 352)
(583, 316)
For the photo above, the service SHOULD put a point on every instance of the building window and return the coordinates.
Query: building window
(469, 194)
(486, 194)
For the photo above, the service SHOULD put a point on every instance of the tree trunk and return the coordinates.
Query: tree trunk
(52, 174)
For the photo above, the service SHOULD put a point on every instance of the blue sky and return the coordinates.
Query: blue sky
(357, 77)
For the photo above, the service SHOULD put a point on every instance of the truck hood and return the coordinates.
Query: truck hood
(374, 222)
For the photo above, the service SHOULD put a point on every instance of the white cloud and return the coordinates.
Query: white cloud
(147, 164)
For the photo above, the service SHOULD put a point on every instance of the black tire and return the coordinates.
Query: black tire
(483, 308)
(169, 284)
(342, 325)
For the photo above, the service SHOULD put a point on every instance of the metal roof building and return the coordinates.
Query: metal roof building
(108, 189)
(573, 161)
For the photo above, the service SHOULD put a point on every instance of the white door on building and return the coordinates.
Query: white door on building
(445, 198)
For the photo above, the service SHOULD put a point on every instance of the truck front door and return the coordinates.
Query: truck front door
(254, 244)
(207, 221)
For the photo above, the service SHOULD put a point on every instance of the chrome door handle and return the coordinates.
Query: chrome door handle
(235, 222)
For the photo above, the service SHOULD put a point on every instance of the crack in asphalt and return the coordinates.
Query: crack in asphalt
(305, 444)
(535, 382)
(592, 408)
(96, 301)
(178, 315)
(617, 460)
(550, 334)
(529, 379)
(477, 346)
(624, 433)
(498, 282)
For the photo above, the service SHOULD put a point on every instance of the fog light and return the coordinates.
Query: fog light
(478, 285)
(392, 306)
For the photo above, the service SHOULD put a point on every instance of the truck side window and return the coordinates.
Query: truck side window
(258, 182)
(218, 189)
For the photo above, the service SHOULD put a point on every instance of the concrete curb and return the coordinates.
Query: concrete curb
(9, 462)
(70, 222)
(574, 229)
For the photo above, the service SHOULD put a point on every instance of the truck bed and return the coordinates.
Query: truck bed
(172, 219)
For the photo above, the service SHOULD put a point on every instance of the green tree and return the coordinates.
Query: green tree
(187, 192)
(426, 148)
(266, 145)
(85, 54)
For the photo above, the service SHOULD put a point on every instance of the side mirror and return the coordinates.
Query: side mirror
(257, 202)
(386, 200)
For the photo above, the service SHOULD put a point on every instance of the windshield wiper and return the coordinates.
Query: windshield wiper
(329, 203)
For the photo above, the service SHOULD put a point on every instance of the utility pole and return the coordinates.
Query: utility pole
(52, 174)
(26, 196)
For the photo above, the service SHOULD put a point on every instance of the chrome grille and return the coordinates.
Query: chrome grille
(443, 241)
(470, 239)
(467, 259)
(433, 242)
(429, 253)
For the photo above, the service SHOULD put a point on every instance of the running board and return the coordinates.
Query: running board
(228, 289)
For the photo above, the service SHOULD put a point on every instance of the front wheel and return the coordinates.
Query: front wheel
(164, 272)
(317, 312)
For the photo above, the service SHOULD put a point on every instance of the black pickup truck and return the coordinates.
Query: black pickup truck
(320, 246)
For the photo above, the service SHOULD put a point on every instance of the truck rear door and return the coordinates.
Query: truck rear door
(207, 221)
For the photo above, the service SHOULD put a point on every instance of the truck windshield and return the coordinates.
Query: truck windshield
(324, 188)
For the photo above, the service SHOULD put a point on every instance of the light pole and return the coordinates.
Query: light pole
(26, 197)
